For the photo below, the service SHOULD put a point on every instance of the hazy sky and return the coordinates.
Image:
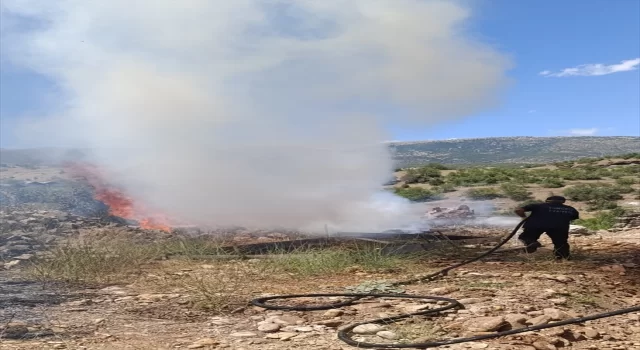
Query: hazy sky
(587, 40)
(590, 51)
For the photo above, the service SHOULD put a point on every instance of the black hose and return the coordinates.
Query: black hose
(344, 334)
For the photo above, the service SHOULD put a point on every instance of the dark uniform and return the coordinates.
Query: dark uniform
(552, 218)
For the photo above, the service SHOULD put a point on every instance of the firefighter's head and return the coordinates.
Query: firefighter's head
(556, 199)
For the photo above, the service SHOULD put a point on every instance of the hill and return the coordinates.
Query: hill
(496, 150)
(500, 150)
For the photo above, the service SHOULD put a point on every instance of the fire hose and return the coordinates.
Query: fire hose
(345, 334)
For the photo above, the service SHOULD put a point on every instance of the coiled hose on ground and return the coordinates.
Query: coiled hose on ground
(345, 333)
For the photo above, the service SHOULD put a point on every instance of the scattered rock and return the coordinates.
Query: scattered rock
(288, 320)
(304, 329)
(330, 323)
(368, 328)
(269, 327)
(556, 315)
(540, 320)
(243, 335)
(516, 320)
(387, 335)
(286, 335)
(469, 301)
(485, 324)
(543, 345)
(443, 290)
(591, 333)
(333, 313)
(579, 230)
(201, 343)
(614, 268)
(475, 345)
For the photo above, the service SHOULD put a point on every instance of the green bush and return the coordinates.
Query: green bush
(421, 175)
(626, 181)
(623, 189)
(477, 176)
(601, 204)
(564, 165)
(483, 193)
(583, 173)
(436, 181)
(438, 166)
(592, 192)
(630, 155)
(416, 193)
(552, 182)
(602, 221)
(629, 170)
(515, 191)
(447, 188)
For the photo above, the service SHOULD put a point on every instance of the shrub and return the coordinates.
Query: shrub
(584, 173)
(601, 204)
(515, 191)
(447, 188)
(564, 165)
(592, 192)
(630, 155)
(630, 170)
(416, 193)
(475, 176)
(421, 175)
(552, 182)
(436, 181)
(602, 221)
(623, 189)
(483, 193)
(438, 166)
(625, 181)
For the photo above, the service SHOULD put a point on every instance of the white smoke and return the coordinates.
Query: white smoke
(257, 112)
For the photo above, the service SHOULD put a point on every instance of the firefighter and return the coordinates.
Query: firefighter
(552, 217)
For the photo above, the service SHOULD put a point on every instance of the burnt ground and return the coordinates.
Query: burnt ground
(162, 307)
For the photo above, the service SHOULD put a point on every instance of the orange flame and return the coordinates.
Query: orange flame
(119, 203)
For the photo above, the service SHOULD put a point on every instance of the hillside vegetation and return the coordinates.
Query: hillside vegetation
(500, 150)
(595, 186)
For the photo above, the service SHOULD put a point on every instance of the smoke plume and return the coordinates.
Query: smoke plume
(252, 112)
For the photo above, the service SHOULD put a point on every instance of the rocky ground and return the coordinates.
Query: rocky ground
(156, 309)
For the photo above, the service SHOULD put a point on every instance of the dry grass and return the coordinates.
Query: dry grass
(115, 260)
(418, 330)
(352, 258)
(91, 263)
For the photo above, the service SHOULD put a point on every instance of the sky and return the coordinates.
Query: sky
(575, 71)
